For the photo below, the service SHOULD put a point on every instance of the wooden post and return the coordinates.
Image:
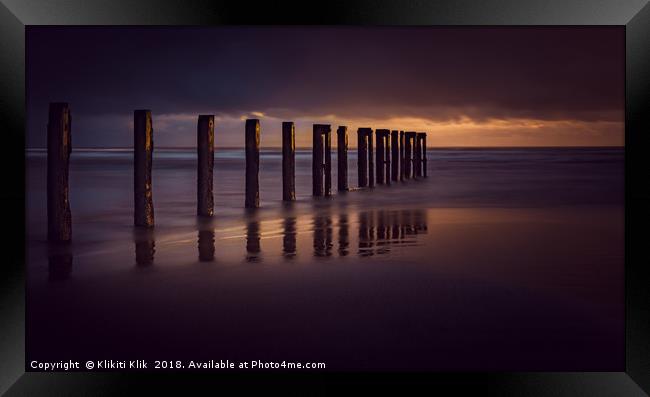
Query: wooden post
(342, 149)
(362, 157)
(59, 146)
(142, 162)
(417, 158)
(379, 156)
(395, 163)
(288, 161)
(322, 160)
(252, 163)
(317, 161)
(371, 165)
(402, 165)
(407, 155)
(328, 161)
(205, 165)
(423, 145)
(386, 165)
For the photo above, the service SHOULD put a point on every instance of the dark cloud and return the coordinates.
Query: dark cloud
(545, 73)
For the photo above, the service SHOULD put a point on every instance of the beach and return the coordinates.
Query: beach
(501, 259)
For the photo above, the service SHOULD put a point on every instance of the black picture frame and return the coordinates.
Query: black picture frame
(633, 14)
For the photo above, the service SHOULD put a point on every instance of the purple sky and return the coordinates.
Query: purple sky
(473, 86)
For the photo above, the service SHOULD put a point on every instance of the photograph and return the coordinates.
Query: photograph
(325, 198)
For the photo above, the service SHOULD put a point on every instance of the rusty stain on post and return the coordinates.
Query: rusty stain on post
(142, 163)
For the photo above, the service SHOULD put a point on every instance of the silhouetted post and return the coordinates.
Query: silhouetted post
(407, 155)
(379, 156)
(342, 149)
(252, 163)
(322, 160)
(142, 162)
(402, 165)
(328, 162)
(288, 161)
(423, 146)
(395, 163)
(362, 157)
(386, 164)
(410, 155)
(205, 165)
(418, 156)
(59, 146)
(371, 164)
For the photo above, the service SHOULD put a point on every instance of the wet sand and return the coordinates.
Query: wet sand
(500, 260)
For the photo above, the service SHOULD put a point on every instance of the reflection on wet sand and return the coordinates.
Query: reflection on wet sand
(289, 237)
(206, 245)
(145, 246)
(253, 241)
(322, 235)
(59, 261)
(344, 242)
(380, 230)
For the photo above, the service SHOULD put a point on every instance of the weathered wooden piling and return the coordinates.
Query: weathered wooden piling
(422, 137)
(362, 157)
(365, 163)
(142, 163)
(59, 146)
(322, 160)
(417, 157)
(252, 163)
(409, 138)
(288, 161)
(383, 156)
(205, 165)
(402, 162)
(395, 163)
(342, 157)
(371, 164)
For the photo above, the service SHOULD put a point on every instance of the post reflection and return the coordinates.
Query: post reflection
(253, 241)
(145, 247)
(322, 235)
(344, 238)
(59, 257)
(289, 237)
(206, 245)
(380, 230)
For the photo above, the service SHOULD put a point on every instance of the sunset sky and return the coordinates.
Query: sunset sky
(465, 86)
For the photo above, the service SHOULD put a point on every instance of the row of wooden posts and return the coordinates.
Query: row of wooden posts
(406, 149)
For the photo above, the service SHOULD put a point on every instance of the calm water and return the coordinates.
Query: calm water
(502, 259)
